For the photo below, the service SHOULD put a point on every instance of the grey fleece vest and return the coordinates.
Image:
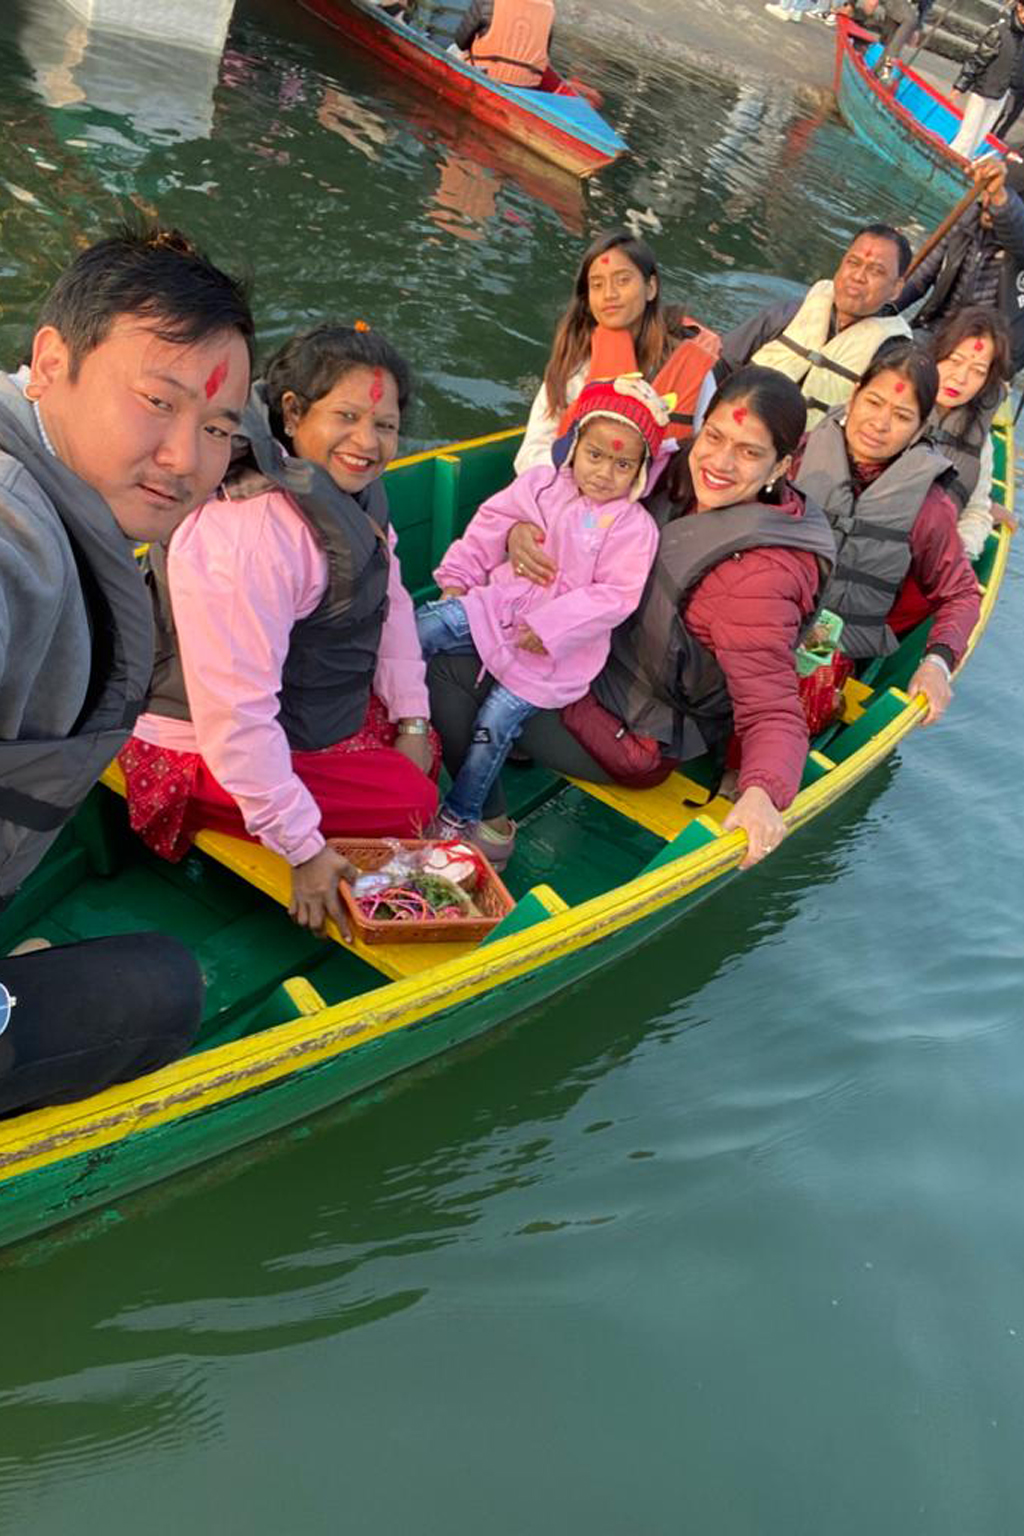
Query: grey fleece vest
(659, 680)
(332, 654)
(872, 531)
(960, 436)
(43, 782)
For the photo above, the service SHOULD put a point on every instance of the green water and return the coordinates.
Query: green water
(727, 1243)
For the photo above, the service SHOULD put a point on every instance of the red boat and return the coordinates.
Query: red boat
(557, 123)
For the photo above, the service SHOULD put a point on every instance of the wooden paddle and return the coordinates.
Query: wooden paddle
(942, 230)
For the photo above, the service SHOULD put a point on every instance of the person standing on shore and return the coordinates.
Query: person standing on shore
(994, 69)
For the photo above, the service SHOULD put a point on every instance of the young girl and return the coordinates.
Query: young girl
(545, 645)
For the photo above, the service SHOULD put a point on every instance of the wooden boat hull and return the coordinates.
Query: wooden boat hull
(563, 129)
(293, 1054)
(907, 121)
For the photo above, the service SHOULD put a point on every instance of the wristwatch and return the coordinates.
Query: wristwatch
(414, 725)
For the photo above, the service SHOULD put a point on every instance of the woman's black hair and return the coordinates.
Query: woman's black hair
(914, 361)
(770, 396)
(311, 363)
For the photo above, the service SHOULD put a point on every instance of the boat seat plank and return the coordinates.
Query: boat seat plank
(664, 810)
(270, 874)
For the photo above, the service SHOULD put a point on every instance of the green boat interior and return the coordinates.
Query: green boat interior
(575, 841)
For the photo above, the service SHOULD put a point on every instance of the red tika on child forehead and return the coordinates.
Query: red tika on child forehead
(740, 415)
(978, 344)
(618, 444)
(605, 260)
(900, 386)
(216, 378)
(377, 387)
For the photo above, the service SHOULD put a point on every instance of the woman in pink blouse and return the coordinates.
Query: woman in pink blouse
(289, 702)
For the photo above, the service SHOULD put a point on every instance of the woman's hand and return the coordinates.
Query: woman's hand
(754, 813)
(315, 891)
(1001, 514)
(525, 551)
(415, 745)
(932, 679)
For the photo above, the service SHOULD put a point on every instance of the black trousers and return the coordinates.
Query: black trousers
(89, 1015)
(455, 697)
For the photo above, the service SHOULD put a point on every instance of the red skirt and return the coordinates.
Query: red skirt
(363, 786)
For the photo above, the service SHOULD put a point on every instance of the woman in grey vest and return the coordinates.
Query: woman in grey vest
(742, 557)
(883, 488)
(972, 351)
(289, 701)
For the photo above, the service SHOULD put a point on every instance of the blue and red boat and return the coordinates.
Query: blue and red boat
(904, 118)
(558, 123)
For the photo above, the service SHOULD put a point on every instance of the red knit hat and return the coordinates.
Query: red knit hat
(629, 399)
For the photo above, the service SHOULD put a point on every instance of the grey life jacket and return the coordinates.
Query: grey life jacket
(332, 653)
(43, 782)
(960, 435)
(659, 680)
(872, 530)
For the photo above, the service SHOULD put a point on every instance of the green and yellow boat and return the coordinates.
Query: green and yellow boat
(295, 1023)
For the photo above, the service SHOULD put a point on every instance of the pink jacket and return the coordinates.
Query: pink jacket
(241, 573)
(604, 554)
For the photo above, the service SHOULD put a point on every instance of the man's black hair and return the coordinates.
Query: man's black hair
(889, 232)
(154, 273)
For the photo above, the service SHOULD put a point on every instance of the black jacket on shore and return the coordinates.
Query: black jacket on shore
(997, 64)
(975, 265)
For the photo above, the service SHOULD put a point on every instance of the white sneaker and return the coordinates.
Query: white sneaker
(782, 13)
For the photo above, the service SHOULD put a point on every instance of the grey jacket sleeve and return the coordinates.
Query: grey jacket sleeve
(740, 344)
(476, 20)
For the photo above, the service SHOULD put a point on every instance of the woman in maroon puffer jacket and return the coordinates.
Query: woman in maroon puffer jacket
(710, 647)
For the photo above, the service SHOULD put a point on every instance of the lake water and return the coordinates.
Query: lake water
(728, 1242)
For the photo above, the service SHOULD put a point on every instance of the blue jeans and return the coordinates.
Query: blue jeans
(443, 627)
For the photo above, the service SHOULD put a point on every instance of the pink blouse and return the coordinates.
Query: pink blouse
(241, 574)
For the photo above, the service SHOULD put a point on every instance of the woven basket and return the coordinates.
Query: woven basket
(369, 854)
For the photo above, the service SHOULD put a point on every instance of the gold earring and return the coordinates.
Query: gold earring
(33, 392)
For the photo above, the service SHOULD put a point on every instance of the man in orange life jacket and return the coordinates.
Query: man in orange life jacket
(508, 39)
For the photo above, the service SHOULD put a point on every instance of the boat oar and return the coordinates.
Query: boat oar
(927, 36)
(942, 230)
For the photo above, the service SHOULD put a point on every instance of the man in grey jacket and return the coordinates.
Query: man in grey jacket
(118, 428)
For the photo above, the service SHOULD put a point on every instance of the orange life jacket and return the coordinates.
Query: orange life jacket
(685, 371)
(682, 374)
(514, 49)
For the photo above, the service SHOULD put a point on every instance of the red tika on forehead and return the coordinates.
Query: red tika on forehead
(377, 387)
(900, 386)
(740, 414)
(217, 376)
(605, 260)
(978, 344)
(618, 444)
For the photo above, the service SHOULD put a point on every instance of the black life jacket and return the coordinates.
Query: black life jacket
(332, 654)
(659, 680)
(43, 782)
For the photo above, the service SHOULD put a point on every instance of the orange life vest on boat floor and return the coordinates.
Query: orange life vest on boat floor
(514, 49)
(685, 371)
